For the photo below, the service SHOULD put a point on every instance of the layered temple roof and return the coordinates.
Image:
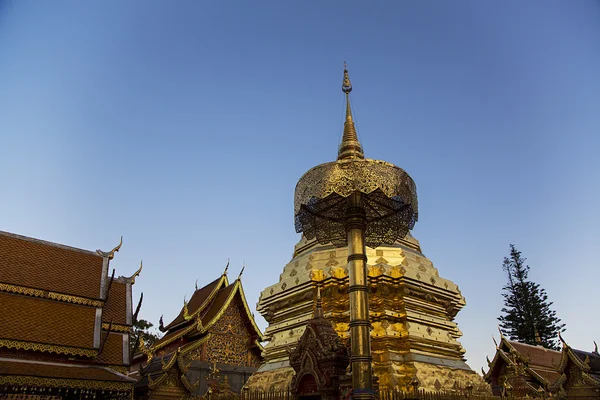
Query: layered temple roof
(535, 370)
(215, 326)
(62, 312)
(203, 310)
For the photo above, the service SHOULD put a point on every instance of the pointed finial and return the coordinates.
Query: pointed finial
(350, 146)
(495, 343)
(110, 254)
(318, 304)
(161, 325)
(226, 267)
(242, 271)
(595, 347)
(137, 273)
(196, 284)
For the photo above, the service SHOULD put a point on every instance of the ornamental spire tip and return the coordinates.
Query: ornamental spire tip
(350, 146)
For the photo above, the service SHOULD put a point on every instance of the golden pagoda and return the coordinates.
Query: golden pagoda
(411, 309)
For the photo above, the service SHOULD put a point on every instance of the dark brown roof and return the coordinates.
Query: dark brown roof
(593, 358)
(48, 266)
(30, 319)
(115, 308)
(198, 299)
(218, 303)
(60, 371)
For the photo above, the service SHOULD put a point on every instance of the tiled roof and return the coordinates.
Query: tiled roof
(60, 371)
(51, 322)
(115, 308)
(112, 352)
(48, 266)
(198, 299)
(538, 355)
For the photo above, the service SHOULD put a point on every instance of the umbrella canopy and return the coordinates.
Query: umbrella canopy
(388, 194)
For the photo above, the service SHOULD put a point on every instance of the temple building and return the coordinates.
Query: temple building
(522, 370)
(213, 344)
(65, 322)
(414, 337)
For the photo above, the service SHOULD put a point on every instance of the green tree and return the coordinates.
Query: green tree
(527, 316)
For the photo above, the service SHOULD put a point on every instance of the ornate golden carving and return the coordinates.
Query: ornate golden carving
(16, 344)
(116, 327)
(44, 294)
(65, 383)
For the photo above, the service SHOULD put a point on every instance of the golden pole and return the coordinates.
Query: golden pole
(360, 335)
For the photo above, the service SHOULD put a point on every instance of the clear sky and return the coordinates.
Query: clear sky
(184, 126)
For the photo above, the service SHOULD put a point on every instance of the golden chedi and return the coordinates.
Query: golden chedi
(389, 289)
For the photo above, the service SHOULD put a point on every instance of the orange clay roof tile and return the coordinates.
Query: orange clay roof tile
(51, 322)
(112, 352)
(48, 266)
(115, 308)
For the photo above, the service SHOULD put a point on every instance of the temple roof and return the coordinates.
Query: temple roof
(199, 300)
(41, 369)
(204, 309)
(60, 299)
(63, 324)
(539, 362)
(49, 266)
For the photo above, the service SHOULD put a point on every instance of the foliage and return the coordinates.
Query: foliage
(141, 329)
(527, 316)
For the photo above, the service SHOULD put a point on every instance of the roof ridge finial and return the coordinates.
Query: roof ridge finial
(242, 271)
(350, 146)
(226, 267)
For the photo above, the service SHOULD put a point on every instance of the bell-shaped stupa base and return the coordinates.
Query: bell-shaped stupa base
(412, 312)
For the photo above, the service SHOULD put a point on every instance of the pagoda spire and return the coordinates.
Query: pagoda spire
(350, 146)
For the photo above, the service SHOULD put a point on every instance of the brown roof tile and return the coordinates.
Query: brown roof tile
(538, 355)
(112, 352)
(47, 266)
(64, 371)
(31, 319)
(115, 308)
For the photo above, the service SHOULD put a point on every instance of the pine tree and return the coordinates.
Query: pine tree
(527, 315)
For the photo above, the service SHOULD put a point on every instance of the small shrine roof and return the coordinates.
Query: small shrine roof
(49, 266)
(43, 369)
(29, 319)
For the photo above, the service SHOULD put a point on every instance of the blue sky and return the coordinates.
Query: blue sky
(185, 126)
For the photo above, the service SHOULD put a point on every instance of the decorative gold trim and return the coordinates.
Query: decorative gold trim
(175, 337)
(74, 299)
(16, 344)
(44, 294)
(119, 368)
(65, 383)
(116, 327)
